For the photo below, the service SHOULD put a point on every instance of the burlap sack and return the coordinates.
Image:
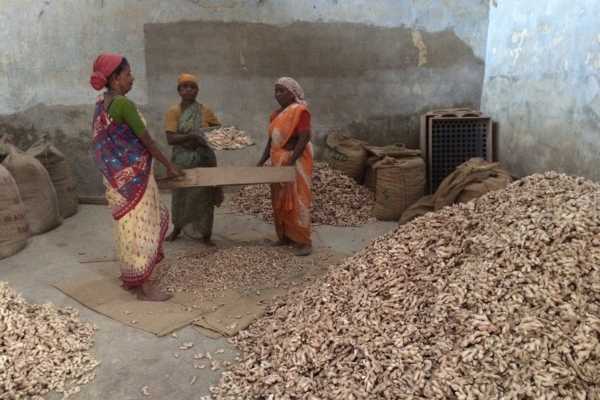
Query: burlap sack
(346, 154)
(14, 230)
(36, 190)
(370, 179)
(398, 150)
(470, 172)
(60, 173)
(400, 183)
(377, 153)
(3, 150)
(469, 181)
(478, 189)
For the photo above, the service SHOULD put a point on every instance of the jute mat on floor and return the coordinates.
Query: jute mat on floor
(225, 314)
(106, 296)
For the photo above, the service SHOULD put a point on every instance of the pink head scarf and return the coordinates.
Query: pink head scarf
(104, 66)
(294, 87)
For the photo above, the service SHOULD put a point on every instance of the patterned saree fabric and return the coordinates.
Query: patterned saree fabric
(132, 194)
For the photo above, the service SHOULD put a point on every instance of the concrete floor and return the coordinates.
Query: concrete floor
(130, 358)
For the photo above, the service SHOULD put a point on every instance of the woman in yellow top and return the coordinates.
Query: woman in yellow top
(186, 125)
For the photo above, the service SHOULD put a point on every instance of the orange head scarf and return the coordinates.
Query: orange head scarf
(187, 78)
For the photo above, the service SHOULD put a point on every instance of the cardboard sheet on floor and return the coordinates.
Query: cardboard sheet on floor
(237, 312)
(105, 296)
(227, 314)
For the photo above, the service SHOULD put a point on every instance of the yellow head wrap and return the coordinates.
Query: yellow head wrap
(187, 78)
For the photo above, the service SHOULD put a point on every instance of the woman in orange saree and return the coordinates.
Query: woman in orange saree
(289, 145)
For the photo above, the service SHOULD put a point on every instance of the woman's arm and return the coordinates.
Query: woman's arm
(303, 139)
(146, 139)
(266, 154)
(299, 142)
(181, 139)
(177, 138)
(201, 132)
(171, 125)
(126, 111)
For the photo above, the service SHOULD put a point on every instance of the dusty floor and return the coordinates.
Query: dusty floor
(130, 358)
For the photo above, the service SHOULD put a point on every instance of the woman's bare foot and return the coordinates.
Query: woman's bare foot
(281, 242)
(133, 290)
(303, 251)
(173, 235)
(208, 242)
(149, 291)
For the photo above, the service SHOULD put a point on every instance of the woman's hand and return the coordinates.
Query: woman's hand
(290, 161)
(194, 141)
(191, 143)
(299, 146)
(266, 154)
(207, 129)
(201, 140)
(174, 172)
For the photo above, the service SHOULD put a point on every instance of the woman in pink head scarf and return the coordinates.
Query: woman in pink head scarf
(123, 152)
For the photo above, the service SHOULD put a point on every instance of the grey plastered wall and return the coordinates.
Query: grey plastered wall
(542, 85)
(371, 81)
(48, 48)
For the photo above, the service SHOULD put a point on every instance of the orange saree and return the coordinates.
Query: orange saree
(291, 201)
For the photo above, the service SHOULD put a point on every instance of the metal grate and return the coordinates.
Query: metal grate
(452, 141)
(450, 137)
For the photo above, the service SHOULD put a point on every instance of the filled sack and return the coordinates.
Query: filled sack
(60, 173)
(346, 154)
(36, 190)
(14, 230)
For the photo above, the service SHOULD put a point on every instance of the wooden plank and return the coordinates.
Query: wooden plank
(96, 200)
(229, 176)
(101, 259)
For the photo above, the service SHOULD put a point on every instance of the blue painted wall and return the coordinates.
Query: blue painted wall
(542, 85)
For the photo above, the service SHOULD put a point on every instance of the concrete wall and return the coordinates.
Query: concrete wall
(542, 85)
(373, 81)
(395, 58)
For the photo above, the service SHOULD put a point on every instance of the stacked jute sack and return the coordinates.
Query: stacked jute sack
(60, 173)
(346, 154)
(34, 193)
(395, 173)
(14, 230)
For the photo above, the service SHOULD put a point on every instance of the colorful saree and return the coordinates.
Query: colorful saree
(291, 201)
(132, 194)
